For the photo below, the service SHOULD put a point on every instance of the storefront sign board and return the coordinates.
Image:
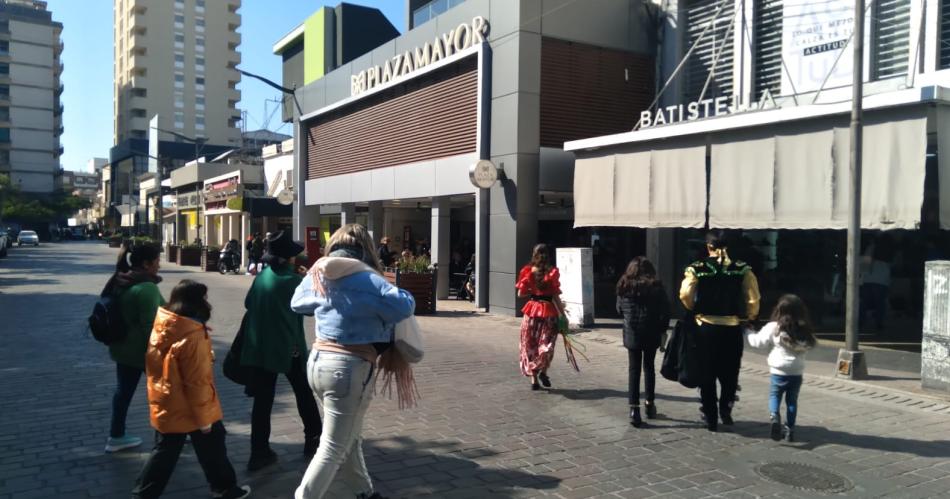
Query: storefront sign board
(706, 108)
(462, 37)
(814, 36)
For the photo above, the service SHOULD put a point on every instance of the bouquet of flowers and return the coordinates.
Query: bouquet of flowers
(572, 345)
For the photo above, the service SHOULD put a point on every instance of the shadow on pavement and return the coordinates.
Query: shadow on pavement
(813, 437)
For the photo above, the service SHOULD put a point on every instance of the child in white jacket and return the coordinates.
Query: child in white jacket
(791, 336)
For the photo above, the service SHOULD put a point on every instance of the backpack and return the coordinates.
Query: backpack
(106, 321)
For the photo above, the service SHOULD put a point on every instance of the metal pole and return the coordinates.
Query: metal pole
(851, 360)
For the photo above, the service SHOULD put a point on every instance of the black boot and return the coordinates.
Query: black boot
(635, 418)
(776, 426)
(261, 460)
(651, 410)
(726, 415)
(712, 423)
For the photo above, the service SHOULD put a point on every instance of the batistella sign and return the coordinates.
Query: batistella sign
(456, 40)
(706, 108)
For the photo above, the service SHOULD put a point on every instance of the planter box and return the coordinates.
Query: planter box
(189, 257)
(172, 253)
(420, 286)
(209, 259)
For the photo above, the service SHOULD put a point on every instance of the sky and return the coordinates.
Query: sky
(87, 59)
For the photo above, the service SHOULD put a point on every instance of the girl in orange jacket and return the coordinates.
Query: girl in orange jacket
(182, 397)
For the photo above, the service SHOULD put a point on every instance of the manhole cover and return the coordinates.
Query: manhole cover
(804, 477)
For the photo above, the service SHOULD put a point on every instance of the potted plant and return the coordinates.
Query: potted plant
(417, 276)
(189, 254)
(209, 258)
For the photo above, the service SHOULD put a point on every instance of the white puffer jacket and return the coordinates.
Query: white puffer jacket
(782, 360)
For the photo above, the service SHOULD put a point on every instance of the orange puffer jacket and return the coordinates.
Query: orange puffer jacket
(180, 375)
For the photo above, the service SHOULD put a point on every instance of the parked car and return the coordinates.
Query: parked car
(28, 237)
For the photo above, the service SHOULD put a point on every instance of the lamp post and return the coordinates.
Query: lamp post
(199, 145)
(851, 363)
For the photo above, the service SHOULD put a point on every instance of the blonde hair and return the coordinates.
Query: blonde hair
(356, 235)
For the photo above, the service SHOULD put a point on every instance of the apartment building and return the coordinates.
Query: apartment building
(31, 115)
(177, 59)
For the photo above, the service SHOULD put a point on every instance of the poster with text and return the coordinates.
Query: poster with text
(814, 36)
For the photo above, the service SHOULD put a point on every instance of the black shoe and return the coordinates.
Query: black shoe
(776, 430)
(789, 433)
(261, 461)
(310, 446)
(651, 410)
(726, 416)
(635, 418)
(545, 380)
(712, 424)
(374, 495)
(233, 493)
(535, 386)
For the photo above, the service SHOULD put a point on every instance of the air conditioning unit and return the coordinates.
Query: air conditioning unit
(935, 346)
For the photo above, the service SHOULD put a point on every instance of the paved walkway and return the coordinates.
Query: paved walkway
(478, 432)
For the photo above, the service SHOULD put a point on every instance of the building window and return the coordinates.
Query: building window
(432, 9)
(179, 60)
(768, 47)
(179, 100)
(5, 158)
(179, 4)
(5, 26)
(699, 13)
(945, 34)
(200, 41)
(179, 41)
(199, 122)
(179, 80)
(179, 21)
(200, 3)
(200, 25)
(4, 68)
(4, 135)
(890, 30)
(4, 114)
(4, 92)
(139, 92)
(4, 48)
(200, 61)
(199, 103)
(179, 120)
(199, 81)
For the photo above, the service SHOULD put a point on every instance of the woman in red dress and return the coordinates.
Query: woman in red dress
(540, 282)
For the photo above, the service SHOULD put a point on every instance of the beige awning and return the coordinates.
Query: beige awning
(742, 181)
(661, 187)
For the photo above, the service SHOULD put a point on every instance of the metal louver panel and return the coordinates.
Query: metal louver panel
(588, 91)
(768, 47)
(890, 38)
(429, 117)
(945, 34)
(699, 14)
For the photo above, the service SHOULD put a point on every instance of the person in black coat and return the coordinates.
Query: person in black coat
(645, 307)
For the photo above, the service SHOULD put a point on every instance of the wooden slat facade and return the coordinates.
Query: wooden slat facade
(589, 91)
(431, 116)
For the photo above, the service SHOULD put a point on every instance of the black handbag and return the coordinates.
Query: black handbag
(233, 370)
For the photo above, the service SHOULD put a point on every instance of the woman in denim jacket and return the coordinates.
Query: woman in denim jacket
(355, 309)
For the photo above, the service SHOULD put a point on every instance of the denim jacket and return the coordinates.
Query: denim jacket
(359, 307)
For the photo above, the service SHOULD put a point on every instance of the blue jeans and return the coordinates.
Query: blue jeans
(344, 385)
(127, 379)
(789, 386)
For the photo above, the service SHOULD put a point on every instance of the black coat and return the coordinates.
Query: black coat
(646, 315)
(683, 361)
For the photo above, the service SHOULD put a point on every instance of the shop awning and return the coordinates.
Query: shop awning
(661, 187)
(779, 175)
(266, 207)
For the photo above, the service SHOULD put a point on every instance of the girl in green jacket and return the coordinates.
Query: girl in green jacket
(135, 287)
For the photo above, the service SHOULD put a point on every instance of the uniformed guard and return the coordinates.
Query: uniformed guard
(722, 293)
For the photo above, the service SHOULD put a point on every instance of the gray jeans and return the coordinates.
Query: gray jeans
(344, 386)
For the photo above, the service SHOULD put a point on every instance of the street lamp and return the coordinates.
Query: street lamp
(199, 145)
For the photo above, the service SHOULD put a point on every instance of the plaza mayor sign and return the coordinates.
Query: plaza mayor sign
(462, 37)
(706, 108)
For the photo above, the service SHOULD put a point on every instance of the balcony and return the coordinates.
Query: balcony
(59, 110)
(60, 88)
(137, 17)
(139, 81)
(234, 39)
(234, 59)
(58, 68)
(233, 94)
(137, 123)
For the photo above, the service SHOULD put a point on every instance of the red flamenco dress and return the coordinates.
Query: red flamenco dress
(539, 326)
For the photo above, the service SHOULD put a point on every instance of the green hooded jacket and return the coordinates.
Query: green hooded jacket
(273, 332)
(138, 303)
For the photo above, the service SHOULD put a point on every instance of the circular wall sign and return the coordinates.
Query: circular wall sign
(285, 197)
(483, 174)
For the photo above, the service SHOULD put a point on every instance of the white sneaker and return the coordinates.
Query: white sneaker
(120, 443)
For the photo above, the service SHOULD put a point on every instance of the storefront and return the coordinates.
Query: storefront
(394, 137)
(778, 177)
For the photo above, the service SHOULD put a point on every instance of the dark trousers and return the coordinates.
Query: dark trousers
(722, 346)
(127, 380)
(212, 456)
(641, 359)
(263, 391)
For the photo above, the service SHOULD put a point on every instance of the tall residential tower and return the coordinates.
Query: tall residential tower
(31, 116)
(177, 59)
